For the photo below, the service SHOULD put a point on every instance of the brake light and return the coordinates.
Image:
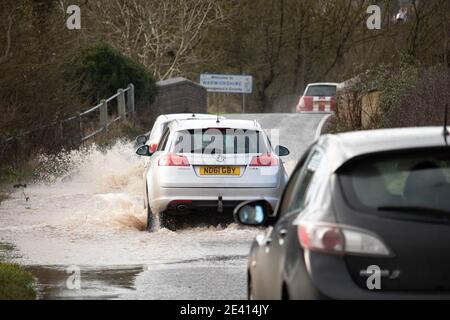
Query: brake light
(338, 239)
(153, 147)
(173, 160)
(301, 104)
(308, 103)
(264, 160)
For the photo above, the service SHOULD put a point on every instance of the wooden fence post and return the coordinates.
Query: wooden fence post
(131, 99)
(80, 124)
(104, 115)
(121, 103)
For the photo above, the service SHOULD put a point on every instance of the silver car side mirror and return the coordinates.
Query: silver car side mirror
(282, 151)
(143, 151)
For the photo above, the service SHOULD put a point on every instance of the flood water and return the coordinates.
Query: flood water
(86, 211)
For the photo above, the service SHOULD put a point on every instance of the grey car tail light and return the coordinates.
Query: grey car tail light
(339, 239)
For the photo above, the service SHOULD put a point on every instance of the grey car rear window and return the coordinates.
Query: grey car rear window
(416, 182)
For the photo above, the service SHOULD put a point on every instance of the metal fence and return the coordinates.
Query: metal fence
(124, 99)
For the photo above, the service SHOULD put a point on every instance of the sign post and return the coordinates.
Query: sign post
(224, 83)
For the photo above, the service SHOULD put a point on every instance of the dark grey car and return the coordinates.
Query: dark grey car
(365, 215)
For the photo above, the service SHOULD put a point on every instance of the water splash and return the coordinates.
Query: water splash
(87, 187)
(101, 170)
(87, 207)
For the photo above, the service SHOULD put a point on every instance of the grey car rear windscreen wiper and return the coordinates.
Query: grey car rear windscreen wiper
(419, 211)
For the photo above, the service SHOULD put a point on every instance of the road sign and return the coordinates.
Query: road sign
(227, 83)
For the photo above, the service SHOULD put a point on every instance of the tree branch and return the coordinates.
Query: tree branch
(7, 55)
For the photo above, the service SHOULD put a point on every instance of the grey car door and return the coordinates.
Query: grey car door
(266, 265)
(275, 244)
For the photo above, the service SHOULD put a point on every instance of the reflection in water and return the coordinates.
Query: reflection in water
(95, 283)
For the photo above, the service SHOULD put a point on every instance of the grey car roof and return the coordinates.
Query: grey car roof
(340, 148)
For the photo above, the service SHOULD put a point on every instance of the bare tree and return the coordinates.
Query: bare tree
(267, 39)
(7, 54)
(162, 35)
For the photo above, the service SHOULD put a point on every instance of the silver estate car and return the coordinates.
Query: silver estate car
(207, 167)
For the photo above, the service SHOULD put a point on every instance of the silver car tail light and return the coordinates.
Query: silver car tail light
(173, 160)
(264, 160)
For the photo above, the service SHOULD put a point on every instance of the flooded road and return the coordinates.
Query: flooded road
(92, 218)
(86, 213)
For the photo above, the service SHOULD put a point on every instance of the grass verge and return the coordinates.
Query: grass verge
(16, 283)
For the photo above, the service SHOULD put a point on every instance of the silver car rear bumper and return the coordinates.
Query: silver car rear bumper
(165, 196)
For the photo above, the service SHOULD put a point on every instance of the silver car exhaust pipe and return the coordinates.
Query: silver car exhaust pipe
(181, 208)
(220, 205)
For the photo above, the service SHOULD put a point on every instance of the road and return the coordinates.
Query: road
(86, 214)
(294, 131)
